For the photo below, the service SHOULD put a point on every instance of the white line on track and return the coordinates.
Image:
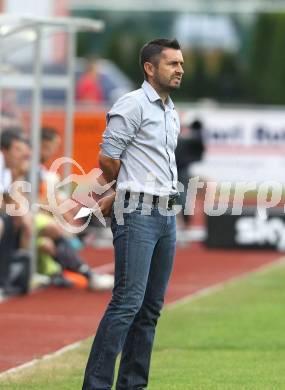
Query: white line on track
(173, 305)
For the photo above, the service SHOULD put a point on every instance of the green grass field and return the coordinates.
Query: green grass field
(231, 339)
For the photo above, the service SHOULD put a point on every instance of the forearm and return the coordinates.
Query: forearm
(110, 168)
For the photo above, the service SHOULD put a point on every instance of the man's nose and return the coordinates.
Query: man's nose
(180, 70)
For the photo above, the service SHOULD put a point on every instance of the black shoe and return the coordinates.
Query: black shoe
(58, 280)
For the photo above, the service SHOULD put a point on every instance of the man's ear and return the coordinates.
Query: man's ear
(4, 152)
(149, 68)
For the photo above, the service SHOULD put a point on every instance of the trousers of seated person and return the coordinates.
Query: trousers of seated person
(7, 243)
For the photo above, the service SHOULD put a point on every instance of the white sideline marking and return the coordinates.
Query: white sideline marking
(49, 356)
(229, 282)
(173, 305)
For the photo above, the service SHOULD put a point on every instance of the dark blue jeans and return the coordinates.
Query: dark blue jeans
(144, 252)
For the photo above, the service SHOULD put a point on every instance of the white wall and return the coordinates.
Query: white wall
(42, 8)
(21, 50)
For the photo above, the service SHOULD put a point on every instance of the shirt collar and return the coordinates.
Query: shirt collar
(153, 96)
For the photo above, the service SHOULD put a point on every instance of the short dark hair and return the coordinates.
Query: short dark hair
(11, 134)
(151, 51)
(49, 134)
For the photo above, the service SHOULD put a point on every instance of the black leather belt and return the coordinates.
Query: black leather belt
(156, 199)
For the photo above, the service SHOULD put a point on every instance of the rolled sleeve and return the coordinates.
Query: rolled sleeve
(123, 122)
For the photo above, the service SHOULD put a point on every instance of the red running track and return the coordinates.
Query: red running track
(48, 320)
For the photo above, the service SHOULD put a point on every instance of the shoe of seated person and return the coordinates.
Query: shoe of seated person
(58, 280)
(101, 282)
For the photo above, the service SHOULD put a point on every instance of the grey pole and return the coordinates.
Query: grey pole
(70, 97)
(36, 137)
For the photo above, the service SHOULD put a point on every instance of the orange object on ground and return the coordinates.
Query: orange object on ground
(79, 281)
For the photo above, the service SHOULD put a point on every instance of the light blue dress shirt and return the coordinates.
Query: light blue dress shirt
(142, 132)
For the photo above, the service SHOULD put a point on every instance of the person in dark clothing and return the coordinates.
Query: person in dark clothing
(6, 248)
(190, 149)
(14, 230)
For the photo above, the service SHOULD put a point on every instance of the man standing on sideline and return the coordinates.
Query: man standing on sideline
(140, 138)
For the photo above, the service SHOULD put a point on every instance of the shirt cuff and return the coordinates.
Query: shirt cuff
(111, 151)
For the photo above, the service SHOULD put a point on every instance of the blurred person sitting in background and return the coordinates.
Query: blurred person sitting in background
(15, 231)
(88, 88)
(50, 143)
(56, 248)
(190, 149)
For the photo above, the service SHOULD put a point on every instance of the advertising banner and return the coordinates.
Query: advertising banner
(251, 230)
(241, 143)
